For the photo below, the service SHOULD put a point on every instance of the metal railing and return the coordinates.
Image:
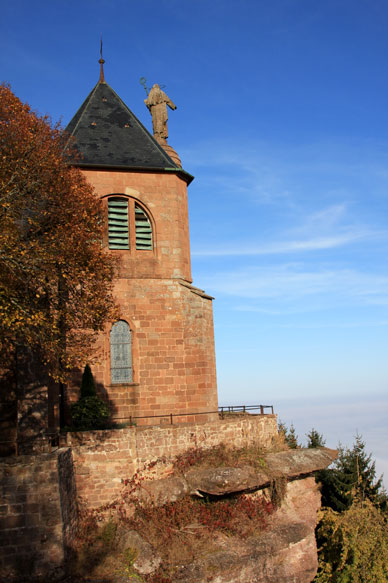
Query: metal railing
(244, 409)
(222, 412)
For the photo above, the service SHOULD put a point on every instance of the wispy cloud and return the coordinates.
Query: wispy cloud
(298, 288)
(326, 228)
(290, 246)
(284, 174)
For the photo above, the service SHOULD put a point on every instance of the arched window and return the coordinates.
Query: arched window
(129, 226)
(120, 353)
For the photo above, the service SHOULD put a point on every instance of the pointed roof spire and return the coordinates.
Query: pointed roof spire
(101, 61)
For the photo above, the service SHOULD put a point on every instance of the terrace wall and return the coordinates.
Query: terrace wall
(103, 459)
(38, 515)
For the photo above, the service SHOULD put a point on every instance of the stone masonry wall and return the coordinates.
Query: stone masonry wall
(38, 515)
(173, 353)
(164, 197)
(102, 459)
(171, 322)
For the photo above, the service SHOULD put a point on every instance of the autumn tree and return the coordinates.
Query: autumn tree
(55, 277)
(353, 545)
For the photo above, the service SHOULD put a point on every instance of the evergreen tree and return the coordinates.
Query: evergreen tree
(289, 435)
(88, 386)
(292, 438)
(353, 477)
(315, 439)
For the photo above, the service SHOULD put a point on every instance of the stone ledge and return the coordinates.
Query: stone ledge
(220, 481)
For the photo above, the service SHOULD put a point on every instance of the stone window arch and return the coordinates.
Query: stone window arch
(121, 353)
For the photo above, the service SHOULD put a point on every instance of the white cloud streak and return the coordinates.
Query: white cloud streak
(294, 285)
(281, 247)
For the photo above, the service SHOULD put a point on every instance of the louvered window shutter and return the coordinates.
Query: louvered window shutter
(118, 223)
(143, 229)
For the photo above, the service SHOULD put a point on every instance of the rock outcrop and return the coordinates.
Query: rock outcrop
(285, 551)
(220, 481)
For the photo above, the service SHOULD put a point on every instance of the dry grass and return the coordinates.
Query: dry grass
(221, 456)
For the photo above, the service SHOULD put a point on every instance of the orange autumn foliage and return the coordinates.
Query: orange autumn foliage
(55, 277)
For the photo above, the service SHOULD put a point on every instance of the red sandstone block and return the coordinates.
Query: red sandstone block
(14, 521)
(15, 509)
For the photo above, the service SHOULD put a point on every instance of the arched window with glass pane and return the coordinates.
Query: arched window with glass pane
(121, 353)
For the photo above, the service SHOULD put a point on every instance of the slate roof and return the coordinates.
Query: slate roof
(107, 134)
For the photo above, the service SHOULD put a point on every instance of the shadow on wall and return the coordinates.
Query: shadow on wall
(41, 516)
(73, 394)
(8, 412)
(24, 403)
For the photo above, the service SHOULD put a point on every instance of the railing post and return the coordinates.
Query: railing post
(261, 410)
(171, 418)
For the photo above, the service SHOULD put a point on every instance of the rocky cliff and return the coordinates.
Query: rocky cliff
(252, 523)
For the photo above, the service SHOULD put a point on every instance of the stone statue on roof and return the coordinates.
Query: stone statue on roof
(157, 102)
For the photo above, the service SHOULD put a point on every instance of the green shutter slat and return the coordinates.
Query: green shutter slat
(118, 230)
(143, 230)
(117, 217)
(115, 203)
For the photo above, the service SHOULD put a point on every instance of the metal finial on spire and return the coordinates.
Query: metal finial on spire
(101, 61)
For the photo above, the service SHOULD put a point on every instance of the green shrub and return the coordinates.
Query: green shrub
(88, 386)
(89, 412)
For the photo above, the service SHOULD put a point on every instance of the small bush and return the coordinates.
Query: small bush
(89, 412)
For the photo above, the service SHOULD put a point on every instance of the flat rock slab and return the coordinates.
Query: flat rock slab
(289, 464)
(299, 462)
(222, 480)
(219, 481)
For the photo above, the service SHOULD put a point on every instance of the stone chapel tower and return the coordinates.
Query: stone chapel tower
(158, 358)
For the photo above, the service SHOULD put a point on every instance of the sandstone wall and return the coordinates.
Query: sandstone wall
(102, 459)
(38, 515)
(173, 355)
(164, 196)
(171, 322)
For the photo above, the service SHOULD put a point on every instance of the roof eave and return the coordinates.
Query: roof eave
(186, 176)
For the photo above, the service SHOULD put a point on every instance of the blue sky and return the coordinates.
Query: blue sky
(282, 118)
